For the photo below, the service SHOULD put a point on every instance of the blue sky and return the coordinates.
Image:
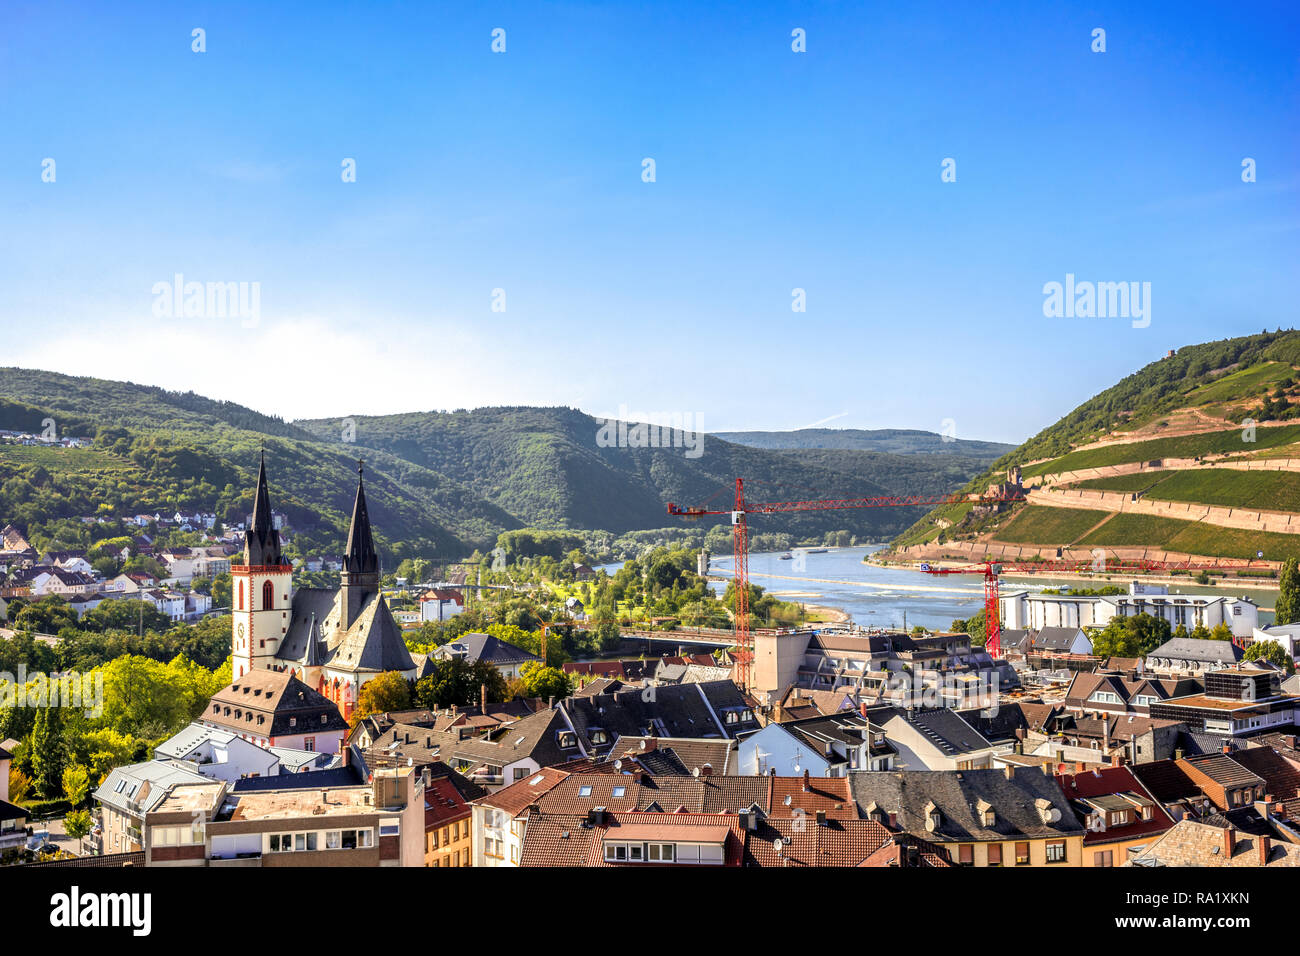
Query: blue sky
(521, 171)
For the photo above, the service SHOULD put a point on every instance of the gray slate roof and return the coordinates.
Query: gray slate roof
(1015, 802)
(1195, 649)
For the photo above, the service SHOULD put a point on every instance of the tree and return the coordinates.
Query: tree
(1134, 636)
(20, 785)
(459, 683)
(76, 784)
(544, 682)
(388, 692)
(1270, 651)
(77, 824)
(1221, 632)
(49, 751)
(1287, 607)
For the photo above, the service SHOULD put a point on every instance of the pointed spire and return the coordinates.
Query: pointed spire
(261, 540)
(361, 557)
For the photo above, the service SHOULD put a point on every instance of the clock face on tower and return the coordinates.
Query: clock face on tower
(239, 629)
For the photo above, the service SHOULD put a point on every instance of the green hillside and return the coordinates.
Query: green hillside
(896, 441)
(547, 467)
(440, 484)
(1169, 409)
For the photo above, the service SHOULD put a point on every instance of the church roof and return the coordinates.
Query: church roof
(315, 654)
(374, 642)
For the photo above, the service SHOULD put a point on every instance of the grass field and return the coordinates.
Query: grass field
(1039, 524)
(1245, 382)
(1265, 490)
(1191, 537)
(1182, 446)
(1138, 481)
(58, 458)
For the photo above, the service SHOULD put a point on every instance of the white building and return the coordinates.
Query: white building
(1287, 635)
(1034, 611)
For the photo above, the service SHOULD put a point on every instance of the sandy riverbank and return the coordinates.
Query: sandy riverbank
(1225, 582)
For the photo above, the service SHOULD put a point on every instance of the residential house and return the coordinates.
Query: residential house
(13, 818)
(1010, 817)
(824, 746)
(1192, 657)
(1193, 843)
(1120, 816)
(441, 604)
(448, 819)
(273, 709)
(935, 739)
(502, 655)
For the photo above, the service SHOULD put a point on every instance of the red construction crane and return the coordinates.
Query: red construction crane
(1099, 565)
(740, 538)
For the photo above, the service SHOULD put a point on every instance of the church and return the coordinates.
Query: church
(332, 639)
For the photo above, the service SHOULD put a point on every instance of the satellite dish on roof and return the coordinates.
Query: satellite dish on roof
(695, 772)
(778, 844)
(618, 764)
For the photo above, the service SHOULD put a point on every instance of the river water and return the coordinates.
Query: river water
(880, 597)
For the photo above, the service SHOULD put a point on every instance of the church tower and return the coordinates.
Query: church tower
(260, 591)
(360, 577)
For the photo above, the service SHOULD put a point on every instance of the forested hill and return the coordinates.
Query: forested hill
(440, 484)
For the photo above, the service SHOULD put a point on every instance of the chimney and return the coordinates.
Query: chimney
(482, 698)
(1229, 842)
(805, 780)
(1265, 847)
(1116, 760)
(706, 770)
(1290, 741)
(1227, 749)
(1011, 771)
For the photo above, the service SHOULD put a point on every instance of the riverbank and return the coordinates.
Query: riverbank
(1092, 580)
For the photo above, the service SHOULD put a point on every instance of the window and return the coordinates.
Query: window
(661, 852)
(520, 772)
(1119, 818)
(584, 790)
(1103, 858)
(241, 595)
(268, 594)
(966, 855)
(619, 791)
(1022, 854)
(309, 744)
(995, 854)
(616, 852)
(1056, 852)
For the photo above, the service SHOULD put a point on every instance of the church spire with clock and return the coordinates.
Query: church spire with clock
(260, 590)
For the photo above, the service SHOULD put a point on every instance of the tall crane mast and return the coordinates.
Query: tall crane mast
(740, 539)
(992, 571)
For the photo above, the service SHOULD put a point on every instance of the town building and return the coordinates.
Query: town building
(1035, 611)
(332, 639)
